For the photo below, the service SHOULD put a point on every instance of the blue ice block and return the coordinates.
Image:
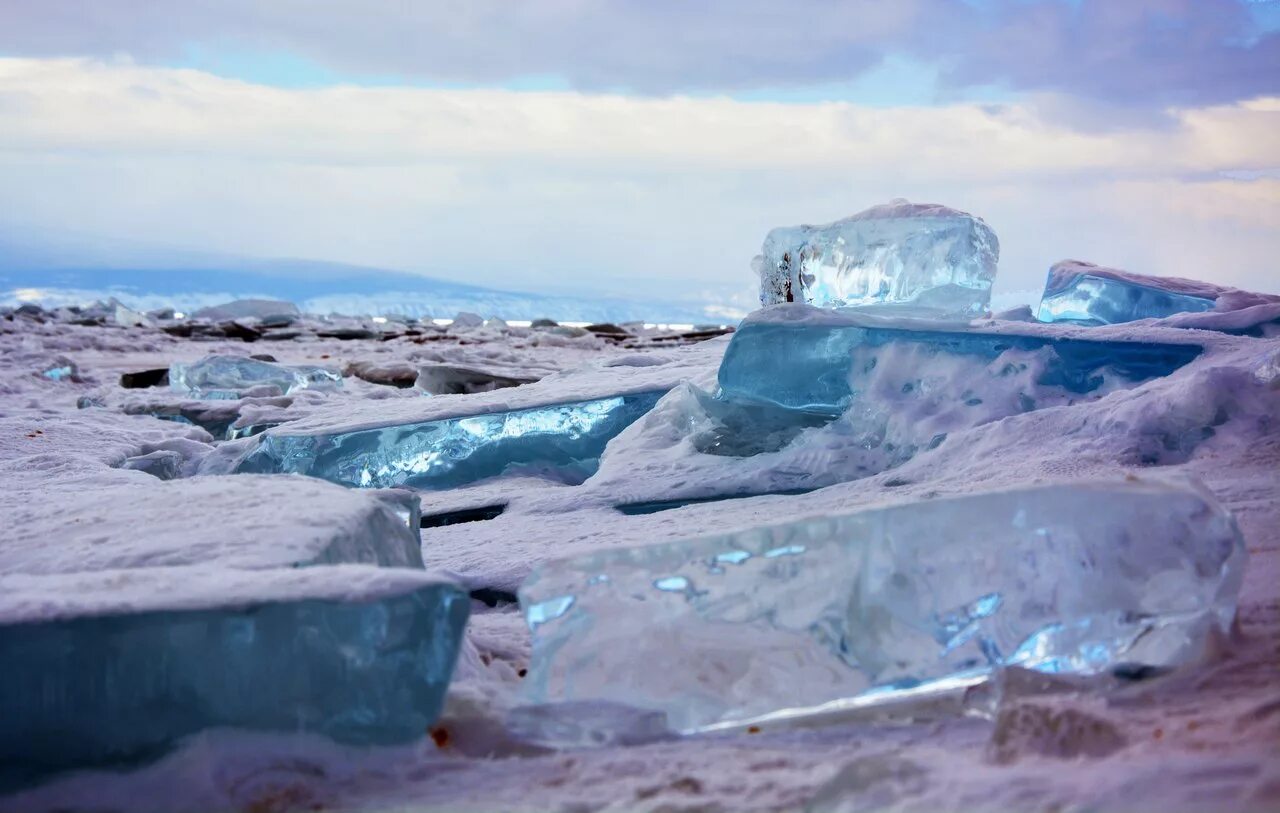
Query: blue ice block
(1084, 293)
(832, 613)
(783, 357)
(901, 255)
(359, 654)
(559, 441)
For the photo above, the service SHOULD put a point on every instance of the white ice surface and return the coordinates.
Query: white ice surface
(1203, 739)
(28, 598)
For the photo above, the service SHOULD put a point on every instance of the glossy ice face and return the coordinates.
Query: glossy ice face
(905, 255)
(120, 689)
(1098, 300)
(811, 367)
(861, 608)
(559, 441)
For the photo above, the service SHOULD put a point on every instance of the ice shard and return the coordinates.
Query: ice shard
(803, 359)
(230, 377)
(1089, 294)
(832, 613)
(113, 668)
(918, 256)
(558, 441)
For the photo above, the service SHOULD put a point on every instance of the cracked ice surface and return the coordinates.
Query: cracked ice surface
(924, 256)
(1076, 578)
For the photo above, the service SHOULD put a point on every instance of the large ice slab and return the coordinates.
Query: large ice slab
(1091, 294)
(559, 441)
(113, 668)
(919, 255)
(835, 612)
(810, 360)
(229, 377)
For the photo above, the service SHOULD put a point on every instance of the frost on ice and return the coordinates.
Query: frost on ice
(925, 256)
(814, 614)
(230, 377)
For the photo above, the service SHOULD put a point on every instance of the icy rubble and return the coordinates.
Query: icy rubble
(231, 377)
(922, 256)
(113, 668)
(821, 614)
(1089, 294)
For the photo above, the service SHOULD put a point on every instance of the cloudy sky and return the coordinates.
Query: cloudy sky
(644, 146)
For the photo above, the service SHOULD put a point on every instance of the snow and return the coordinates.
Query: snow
(29, 598)
(1201, 738)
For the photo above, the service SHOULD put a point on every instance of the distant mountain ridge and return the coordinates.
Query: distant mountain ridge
(144, 277)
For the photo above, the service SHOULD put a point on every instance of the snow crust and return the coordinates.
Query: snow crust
(29, 598)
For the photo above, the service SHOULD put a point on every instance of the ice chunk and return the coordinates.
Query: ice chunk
(113, 668)
(60, 368)
(162, 464)
(127, 317)
(1091, 294)
(228, 377)
(560, 441)
(920, 255)
(802, 359)
(269, 312)
(449, 379)
(841, 612)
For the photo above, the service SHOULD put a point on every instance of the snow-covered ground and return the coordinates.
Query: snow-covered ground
(1205, 738)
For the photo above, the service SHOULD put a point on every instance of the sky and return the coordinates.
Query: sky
(645, 147)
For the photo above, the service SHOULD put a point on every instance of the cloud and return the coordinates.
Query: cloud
(1137, 53)
(1146, 54)
(634, 196)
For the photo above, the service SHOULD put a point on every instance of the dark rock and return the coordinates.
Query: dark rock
(280, 335)
(544, 323)
(263, 357)
(142, 379)
(237, 330)
(347, 334)
(608, 329)
(182, 331)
